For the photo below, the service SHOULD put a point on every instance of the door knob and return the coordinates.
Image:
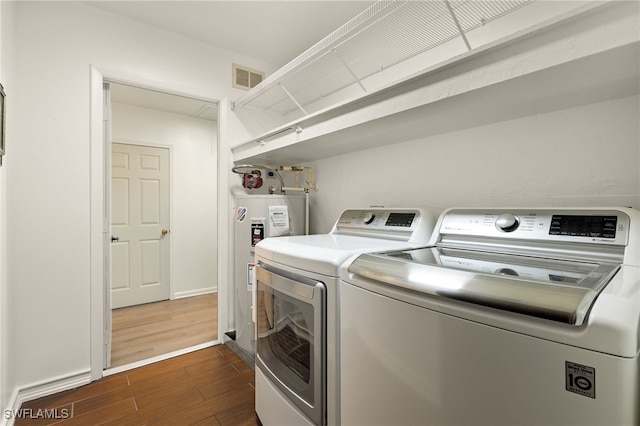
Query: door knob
(165, 231)
(114, 239)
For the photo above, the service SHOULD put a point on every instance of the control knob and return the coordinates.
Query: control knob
(368, 218)
(507, 222)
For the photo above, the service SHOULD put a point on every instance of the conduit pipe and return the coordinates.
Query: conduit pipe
(248, 168)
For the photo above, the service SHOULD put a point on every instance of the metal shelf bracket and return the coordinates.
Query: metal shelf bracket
(292, 98)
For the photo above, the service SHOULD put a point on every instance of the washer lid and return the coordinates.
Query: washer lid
(559, 290)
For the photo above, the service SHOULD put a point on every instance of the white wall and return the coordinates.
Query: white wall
(48, 199)
(588, 155)
(7, 76)
(193, 143)
(557, 158)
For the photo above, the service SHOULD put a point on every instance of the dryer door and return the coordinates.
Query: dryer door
(291, 337)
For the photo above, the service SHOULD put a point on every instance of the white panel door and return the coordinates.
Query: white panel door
(139, 225)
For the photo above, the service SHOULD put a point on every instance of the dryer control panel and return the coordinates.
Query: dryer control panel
(407, 224)
(378, 218)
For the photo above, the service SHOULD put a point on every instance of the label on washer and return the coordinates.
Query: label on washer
(580, 379)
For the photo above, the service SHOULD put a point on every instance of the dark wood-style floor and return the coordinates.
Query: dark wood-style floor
(211, 386)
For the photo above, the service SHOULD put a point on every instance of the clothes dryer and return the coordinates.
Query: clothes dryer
(297, 298)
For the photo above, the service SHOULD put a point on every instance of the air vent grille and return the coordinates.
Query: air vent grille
(246, 78)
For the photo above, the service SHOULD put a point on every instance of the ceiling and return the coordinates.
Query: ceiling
(273, 31)
(151, 99)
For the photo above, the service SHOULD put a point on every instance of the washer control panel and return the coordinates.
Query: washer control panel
(571, 225)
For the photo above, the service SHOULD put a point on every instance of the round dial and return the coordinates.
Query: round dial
(368, 218)
(507, 271)
(507, 222)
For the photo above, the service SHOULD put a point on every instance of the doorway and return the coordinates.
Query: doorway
(186, 129)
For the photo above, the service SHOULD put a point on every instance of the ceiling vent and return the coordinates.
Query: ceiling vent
(246, 78)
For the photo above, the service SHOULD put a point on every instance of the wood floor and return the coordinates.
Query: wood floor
(211, 386)
(144, 331)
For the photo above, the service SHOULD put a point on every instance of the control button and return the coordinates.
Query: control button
(368, 218)
(507, 271)
(507, 222)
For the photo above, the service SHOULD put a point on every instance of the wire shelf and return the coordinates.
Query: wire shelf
(386, 34)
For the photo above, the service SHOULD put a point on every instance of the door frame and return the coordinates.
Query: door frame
(99, 229)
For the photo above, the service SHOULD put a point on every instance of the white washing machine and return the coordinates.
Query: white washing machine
(297, 351)
(519, 316)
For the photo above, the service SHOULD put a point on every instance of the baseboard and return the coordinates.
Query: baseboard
(242, 354)
(42, 389)
(198, 292)
(7, 418)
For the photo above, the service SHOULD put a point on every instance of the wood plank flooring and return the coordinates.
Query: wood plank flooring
(144, 331)
(211, 386)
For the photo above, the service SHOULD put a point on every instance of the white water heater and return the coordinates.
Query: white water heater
(258, 217)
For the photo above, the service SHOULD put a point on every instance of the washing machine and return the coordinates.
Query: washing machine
(297, 298)
(511, 316)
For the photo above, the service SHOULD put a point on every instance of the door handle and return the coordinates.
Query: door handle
(164, 231)
(114, 239)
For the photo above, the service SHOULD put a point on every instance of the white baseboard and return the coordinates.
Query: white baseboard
(198, 292)
(42, 389)
(7, 418)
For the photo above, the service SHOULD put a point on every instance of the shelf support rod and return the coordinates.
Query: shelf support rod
(292, 98)
(455, 20)
(349, 69)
